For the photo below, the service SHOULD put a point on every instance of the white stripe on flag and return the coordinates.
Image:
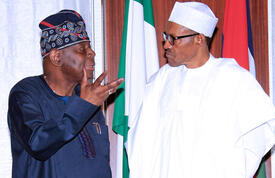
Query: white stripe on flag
(141, 59)
(135, 60)
(119, 156)
(151, 50)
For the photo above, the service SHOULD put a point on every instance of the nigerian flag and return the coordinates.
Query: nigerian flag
(138, 61)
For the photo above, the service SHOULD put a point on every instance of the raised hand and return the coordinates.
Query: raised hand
(96, 93)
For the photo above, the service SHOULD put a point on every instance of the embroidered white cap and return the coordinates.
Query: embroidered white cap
(194, 15)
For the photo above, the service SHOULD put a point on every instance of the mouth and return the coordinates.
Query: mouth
(168, 54)
(90, 67)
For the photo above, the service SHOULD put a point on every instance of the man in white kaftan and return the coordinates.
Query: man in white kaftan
(201, 116)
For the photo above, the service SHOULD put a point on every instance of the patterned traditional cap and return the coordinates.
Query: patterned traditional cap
(61, 30)
(195, 16)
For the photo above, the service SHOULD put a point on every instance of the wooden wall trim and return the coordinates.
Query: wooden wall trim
(113, 25)
(259, 23)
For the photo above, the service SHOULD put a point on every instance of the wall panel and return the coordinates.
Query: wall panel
(258, 11)
(114, 16)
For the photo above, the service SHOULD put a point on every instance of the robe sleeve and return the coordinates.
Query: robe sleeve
(256, 114)
(40, 135)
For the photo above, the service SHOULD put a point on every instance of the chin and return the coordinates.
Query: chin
(172, 64)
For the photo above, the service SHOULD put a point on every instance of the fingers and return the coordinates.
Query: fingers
(84, 78)
(116, 83)
(100, 79)
(112, 86)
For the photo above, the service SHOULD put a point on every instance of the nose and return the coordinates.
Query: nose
(166, 44)
(90, 57)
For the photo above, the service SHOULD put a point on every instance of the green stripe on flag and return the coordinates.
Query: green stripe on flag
(148, 11)
(120, 125)
(261, 171)
(120, 121)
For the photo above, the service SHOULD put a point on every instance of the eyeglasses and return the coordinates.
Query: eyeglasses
(171, 39)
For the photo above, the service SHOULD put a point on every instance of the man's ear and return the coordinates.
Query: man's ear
(200, 39)
(55, 57)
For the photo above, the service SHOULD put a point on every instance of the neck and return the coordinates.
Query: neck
(199, 60)
(59, 86)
